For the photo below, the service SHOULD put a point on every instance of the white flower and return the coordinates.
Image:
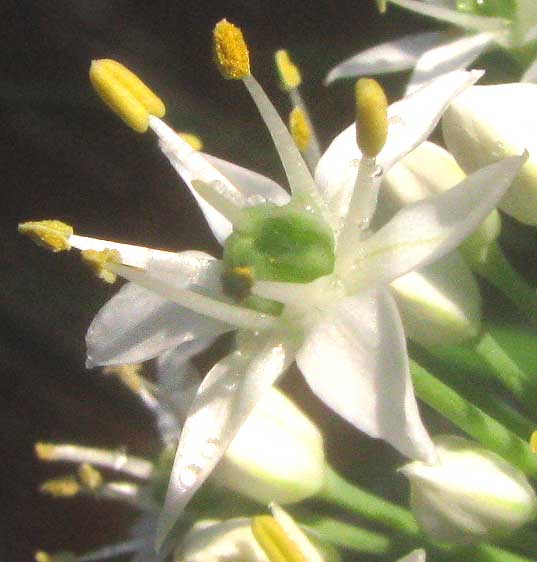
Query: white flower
(487, 123)
(431, 54)
(342, 328)
(470, 495)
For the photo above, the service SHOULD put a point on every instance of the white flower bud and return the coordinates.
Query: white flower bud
(220, 541)
(470, 495)
(277, 455)
(487, 123)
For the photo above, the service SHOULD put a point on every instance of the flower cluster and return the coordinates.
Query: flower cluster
(327, 275)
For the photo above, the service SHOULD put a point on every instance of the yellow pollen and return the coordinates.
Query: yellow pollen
(60, 487)
(274, 541)
(51, 234)
(62, 556)
(533, 442)
(300, 128)
(371, 116)
(231, 51)
(289, 73)
(45, 451)
(129, 375)
(125, 94)
(98, 262)
(89, 476)
(193, 140)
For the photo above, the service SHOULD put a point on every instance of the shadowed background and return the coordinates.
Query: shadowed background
(65, 156)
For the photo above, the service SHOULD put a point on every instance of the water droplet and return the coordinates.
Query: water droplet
(377, 172)
(189, 475)
(211, 448)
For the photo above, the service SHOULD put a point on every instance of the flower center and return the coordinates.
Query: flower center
(276, 244)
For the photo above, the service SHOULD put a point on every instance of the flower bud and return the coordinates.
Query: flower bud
(220, 541)
(487, 123)
(471, 495)
(277, 455)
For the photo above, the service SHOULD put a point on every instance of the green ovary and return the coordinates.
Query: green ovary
(276, 244)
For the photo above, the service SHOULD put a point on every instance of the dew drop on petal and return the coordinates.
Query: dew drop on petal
(189, 475)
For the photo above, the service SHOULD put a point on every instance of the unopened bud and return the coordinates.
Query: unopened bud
(472, 494)
(487, 123)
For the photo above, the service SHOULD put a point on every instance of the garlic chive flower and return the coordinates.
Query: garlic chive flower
(485, 25)
(303, 278)
(471, 495)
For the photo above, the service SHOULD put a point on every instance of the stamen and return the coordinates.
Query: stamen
(118, 461)
(238, 282)
(220, 198)
(300, 128)
(288, 72)
(90, 477)
(62, 556)
(219, 310)
(371, 116)
(51, 234)
(298, 175)
(66, 487)
(122, 491)
(193, 140)
(274, 541)
(125, 93)
(98, 261)
(231, 52)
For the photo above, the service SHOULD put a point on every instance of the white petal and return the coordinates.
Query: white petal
(137, 325)
(531, 73)
(192, 165)
(526, 18)
(455, 55)
(423, 232)
(450, 15)
(251, 184)
(355, 360)
(224, 400)
(441, 304)
(411, 121)
(178, 377)
(392, 56)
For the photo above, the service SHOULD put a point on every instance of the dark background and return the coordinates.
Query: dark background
(64, 155)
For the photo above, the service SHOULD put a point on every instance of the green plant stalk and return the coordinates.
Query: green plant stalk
(374, 508)
(473, 420)
(348, 536)
(492, 265)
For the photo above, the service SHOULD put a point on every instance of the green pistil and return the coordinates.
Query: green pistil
(275, 244)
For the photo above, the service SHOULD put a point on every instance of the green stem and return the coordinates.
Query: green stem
(466, 372)
(494, 267)
(348, 536)
(338, 491)
(349, 496)
(472, 420)
(503, 364)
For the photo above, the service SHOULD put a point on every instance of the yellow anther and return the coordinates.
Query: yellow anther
(45, 451)
(193, 140)
(300, 128)
(289, 73)
(61, 487)
(533, 442)
(62, 556)
(238, 281)
(129, 375)
(371, 116)
(51, 234)
(98, 262)
(274, 541)
(89, 476)
(231, 51)
(125, 93)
